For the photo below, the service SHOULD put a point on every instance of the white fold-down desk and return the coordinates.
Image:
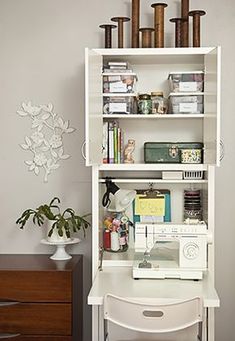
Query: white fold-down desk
(118, 281)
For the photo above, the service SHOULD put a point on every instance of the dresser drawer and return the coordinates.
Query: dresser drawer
(36, 286)
(36, 318)
(15, 337)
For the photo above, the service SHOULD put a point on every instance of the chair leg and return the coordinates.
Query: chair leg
(106, 336)
(200, 329)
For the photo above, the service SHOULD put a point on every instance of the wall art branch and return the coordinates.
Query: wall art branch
(46, 140)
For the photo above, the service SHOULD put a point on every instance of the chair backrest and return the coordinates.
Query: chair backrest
(152, 318)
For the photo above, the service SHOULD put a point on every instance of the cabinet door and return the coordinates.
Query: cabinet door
(94, 122)
(212, 107)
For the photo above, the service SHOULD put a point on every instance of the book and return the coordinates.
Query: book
(117, 70)
(118, 64)
(119, 144)
(115, 142)
(111, 142)
(105, 142)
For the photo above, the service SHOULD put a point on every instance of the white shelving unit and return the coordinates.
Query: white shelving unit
(152, 67)
(153, 116)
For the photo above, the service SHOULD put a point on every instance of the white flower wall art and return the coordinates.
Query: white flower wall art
(46, 140)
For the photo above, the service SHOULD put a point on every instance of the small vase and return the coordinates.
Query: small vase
(55, 238)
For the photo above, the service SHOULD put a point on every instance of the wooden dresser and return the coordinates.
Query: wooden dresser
(40, 299)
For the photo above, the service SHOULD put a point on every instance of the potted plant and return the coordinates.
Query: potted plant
(61, 223)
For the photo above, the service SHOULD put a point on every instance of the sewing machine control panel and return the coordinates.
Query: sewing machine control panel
(177, 229)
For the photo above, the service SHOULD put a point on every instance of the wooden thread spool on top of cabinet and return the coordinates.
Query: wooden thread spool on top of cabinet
(178, 30)
(120, 21)
(135, 23)
(108, 34)
(159, 23)
(196, 26)
(146, 36)
(185, 24)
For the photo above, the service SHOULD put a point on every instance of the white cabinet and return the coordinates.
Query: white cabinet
(152, 67)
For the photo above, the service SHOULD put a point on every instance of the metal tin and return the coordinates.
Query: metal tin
(169, 152)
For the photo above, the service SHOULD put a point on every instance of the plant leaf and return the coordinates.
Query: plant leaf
(55, 166)
(70, 130)
(45, 116)
(31, 167)
(22, 113)
(65, 157)
(24, 146)
(36, 170)
(28, 141)
(53, 153)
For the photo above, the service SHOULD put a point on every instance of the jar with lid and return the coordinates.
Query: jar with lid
(144, 104)
(159, 103)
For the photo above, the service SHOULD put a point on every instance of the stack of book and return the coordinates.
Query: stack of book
(112, 142)
(117, 67)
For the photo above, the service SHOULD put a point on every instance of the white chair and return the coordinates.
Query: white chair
(151, 318)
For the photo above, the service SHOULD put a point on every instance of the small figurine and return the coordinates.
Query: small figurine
(130, 147)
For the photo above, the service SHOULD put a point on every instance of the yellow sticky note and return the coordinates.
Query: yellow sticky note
(151, 206)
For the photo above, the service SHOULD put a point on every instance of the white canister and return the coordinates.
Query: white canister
(114, 241)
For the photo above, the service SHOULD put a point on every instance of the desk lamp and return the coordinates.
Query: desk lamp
(121, 198)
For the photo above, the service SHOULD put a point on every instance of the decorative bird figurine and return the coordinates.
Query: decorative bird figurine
(130, 147)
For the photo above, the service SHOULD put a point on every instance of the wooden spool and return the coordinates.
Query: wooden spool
(146, 36)
(120, 21)
(178, 30)
(135, 23)
(159, 23)
(185, 24)
(196, 26)
(108, 34)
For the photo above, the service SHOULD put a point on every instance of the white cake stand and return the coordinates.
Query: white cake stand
(60, 253)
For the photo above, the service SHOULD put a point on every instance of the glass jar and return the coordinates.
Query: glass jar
(159, 103)
(144, 104)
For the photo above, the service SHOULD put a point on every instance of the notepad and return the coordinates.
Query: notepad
(149, 206)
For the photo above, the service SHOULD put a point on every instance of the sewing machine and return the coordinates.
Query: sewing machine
(168, 250)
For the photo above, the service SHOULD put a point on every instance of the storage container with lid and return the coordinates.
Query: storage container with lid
(119, 83)
(190, 81)
(119, 105)
(186, 103)
(170, 152)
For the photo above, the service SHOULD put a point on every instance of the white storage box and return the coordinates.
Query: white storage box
(192, 81)
(119, 83)
(120, 105)
(173, 175)
(186, 104)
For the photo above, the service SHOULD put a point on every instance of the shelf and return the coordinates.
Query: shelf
(186, 94)
(120, 283)
(154, 51)
(119, 258)
(153, 116)
(118, 74)
(152, 167)
(156, 181)
(119, 94)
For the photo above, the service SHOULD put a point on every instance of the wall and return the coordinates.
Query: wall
(42, 60)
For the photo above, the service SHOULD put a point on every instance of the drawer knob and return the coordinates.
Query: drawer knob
(8, 303)
(8, 336)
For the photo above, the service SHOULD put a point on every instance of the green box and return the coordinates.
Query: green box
(170, 152)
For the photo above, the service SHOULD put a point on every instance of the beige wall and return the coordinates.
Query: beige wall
(42, 59)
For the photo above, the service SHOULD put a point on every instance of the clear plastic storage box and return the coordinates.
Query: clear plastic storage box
(186, 81)
(120, 105)
(119, 83)
(186, 104)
